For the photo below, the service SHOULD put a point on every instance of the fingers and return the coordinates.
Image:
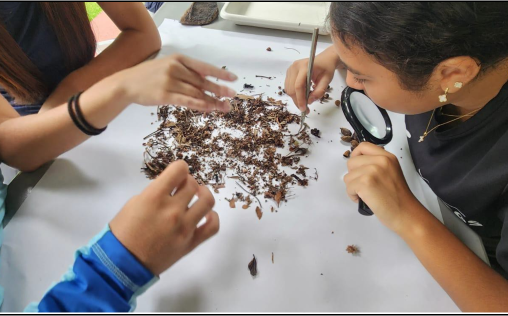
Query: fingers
(218, 90)
(203, 102)
(364, 160)
(321, 86)
(301, 90)
(186, 191)
(366, 148)
(207, 230)
(204, 69)
(201, 207)
(172, 177)
(190, 102)
(193, 78)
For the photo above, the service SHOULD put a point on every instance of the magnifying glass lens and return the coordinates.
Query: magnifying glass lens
(368, 114)
(370, 122)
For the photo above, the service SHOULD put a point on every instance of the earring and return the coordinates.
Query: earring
(458, 85)
(443, 97)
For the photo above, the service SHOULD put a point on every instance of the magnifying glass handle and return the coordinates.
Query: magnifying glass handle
(364, 209)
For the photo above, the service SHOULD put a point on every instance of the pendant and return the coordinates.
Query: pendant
(421, 139)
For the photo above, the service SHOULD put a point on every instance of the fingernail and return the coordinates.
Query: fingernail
(231, 92)
(226, 106)
(232, 76)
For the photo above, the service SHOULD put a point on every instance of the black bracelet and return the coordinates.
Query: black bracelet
(92, 130)
(74, 118)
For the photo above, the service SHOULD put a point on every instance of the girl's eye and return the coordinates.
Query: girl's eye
(359, 80)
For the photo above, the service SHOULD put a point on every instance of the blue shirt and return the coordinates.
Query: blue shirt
(27, 24)
(105, 277)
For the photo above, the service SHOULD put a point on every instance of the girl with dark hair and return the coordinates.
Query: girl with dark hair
(46, 56)
(444, 65)
(47, 49)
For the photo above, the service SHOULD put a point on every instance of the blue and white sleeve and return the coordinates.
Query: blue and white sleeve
(105, 277)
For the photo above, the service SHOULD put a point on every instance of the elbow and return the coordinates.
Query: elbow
(26, 167)
(155, 42)
(23, 165)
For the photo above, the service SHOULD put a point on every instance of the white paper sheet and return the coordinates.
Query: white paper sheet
(88, 185)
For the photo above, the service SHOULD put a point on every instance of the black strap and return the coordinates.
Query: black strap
(78, 118)
(83, 121)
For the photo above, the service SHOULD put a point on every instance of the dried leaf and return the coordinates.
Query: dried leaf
(259, 213)
(218, 186)
(253, 266)
(352, 249)
(245, 206)
(278, 197)
(244, 97)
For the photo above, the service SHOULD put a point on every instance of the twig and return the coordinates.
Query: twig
(250, 194)
(258, 76)
(292, 49)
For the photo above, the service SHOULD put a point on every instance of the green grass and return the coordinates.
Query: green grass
(93, 9)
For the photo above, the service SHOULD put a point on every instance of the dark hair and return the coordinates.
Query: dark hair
(18, 74)
(412, 38)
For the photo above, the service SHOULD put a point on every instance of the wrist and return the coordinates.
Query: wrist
(417, 221)
(103, 102)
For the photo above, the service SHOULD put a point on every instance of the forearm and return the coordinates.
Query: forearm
(130, 48)
(472, 285)
(105, 277)
(30, 141)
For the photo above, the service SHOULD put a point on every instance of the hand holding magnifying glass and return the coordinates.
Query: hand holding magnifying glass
(370, 122)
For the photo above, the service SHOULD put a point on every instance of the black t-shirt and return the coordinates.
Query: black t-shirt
(27, 24)
(467, 167)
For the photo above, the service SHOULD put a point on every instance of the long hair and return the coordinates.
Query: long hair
(18, 74)
(412, 38)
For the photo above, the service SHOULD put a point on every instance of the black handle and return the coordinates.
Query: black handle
(364, 209)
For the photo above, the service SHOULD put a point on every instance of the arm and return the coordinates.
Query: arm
(139, 38)
(28, 142)
(471, 284)
(120, 264)
(375, 176)
(323, 71)
(105, 277)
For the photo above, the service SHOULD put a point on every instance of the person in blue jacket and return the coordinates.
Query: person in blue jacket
(124, 259)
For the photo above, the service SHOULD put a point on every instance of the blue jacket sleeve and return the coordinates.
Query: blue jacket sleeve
(105, 277)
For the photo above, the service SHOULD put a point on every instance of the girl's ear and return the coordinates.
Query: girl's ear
(455, 72)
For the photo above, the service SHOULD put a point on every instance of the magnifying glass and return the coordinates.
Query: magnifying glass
(370, 122)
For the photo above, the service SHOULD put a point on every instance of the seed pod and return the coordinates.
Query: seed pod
(269, 49)
(354, 143)
(346, 139)
(337, 102)
(355, 137)
(346, 154)
(345, 131)
(253, 266)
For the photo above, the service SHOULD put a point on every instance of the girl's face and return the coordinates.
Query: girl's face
(382, 85)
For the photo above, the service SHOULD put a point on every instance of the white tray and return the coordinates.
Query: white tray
(290, 16)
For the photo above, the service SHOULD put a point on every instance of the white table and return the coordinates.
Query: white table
(85, 188)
